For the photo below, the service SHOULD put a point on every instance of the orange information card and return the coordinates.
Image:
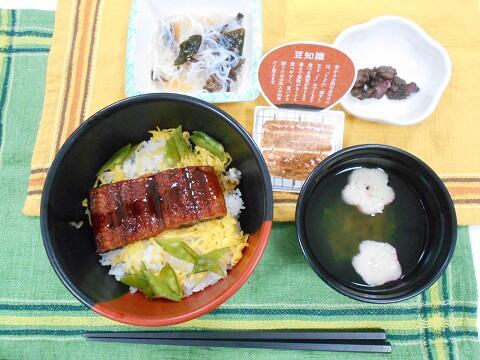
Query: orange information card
(305, 75)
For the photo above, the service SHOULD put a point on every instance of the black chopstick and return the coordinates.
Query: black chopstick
(325, 345)
(369, 334)
(353, 341)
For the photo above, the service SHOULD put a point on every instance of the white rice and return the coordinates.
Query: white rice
(147, 158)
(76, 224)
(197, 282)
(107, 257)
(233, 175)
(233, 199)
(117, 270)
(234, 202)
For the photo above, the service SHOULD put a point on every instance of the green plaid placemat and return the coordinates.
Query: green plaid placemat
(39, 319)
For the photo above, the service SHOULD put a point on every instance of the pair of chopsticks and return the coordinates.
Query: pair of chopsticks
(371, 341)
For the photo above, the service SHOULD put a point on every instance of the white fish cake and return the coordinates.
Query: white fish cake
(368, 190)
(377, 263)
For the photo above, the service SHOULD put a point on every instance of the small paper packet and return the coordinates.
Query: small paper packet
(293, 142)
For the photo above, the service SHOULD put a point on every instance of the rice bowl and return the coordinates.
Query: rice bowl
(150, 255)
(72, 252)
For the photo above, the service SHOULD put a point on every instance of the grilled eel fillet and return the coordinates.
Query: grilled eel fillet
(292, 149)
(132, 210)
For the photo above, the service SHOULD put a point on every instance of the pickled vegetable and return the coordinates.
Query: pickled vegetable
(188, 48)
(236, 38)
(380, 81)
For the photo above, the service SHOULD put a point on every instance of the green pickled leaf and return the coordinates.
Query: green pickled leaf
(205, 141)
(179, 249)
(188, 48)
(118, 158)
(236, 38)
(166, 284)
(138, 281)
(209, 262)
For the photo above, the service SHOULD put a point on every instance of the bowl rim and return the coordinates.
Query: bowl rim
(331, 280)
(424, 35)
(264, 229)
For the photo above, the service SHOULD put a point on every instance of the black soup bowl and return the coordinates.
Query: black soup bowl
(72, 252)
(424, 250)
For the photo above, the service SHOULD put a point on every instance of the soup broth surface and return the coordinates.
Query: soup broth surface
(337, 228)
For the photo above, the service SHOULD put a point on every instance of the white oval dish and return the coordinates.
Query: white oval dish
(401, 43)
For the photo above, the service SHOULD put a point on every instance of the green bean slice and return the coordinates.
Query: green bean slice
(209, 262)
(179, 249)
(138, 281)
(166, 284)
(205, 141)
(181, 144)
(171, 153)
(118, 158)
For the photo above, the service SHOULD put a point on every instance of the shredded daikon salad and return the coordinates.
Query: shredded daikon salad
(193, 53)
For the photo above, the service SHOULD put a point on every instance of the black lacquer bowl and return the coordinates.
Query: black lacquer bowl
(72, 252)
(439, 238)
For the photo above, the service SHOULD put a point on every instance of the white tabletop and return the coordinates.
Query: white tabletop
(29, 4)
(52, 4)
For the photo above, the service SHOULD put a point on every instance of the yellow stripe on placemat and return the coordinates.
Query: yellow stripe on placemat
(440, 348)
(435, 295)
(86, 72)
(464, 189)
(284, 205)
(28, 40)
(70, 80)
(465, 192)
(4, 39)
(436, 323)
(60, 59)
(4, 23)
